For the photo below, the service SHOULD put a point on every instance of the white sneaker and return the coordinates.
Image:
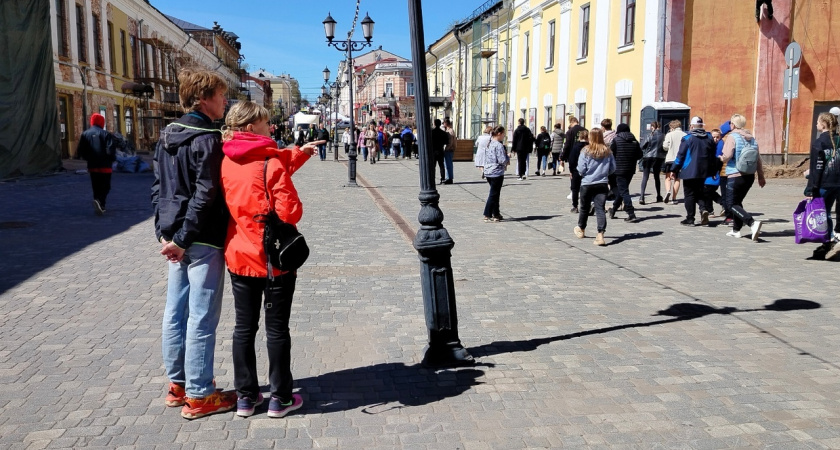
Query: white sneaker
(569, 197)
(734, 233)
(756, 229)
(519, 179)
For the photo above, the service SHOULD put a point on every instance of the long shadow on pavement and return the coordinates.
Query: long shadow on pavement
(46, 219)
(678, 312)
(382, 387)
(632, 236)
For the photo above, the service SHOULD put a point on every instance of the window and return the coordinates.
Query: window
(117, 119)
(409, 89)
(80, 32)
(124, 52)
(389, 89)
(527, 64)
(551, 37)
(112, 53)
(548, 124)
(583, 48)
(561, 115)
(629, 21)
(624, 110)
(581, 113)
(61, 27)
(97, 40)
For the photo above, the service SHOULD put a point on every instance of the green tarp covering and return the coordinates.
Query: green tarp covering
(29, 139)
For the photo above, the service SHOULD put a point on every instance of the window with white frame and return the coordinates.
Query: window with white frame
(527, 53)
(583, 38)
(551, 38)
(389, 89)
(581, 113)
(624, 110)
(629, 29)
(409, 89)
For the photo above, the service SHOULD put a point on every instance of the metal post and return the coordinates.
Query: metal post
(790, 64)
(351, 158)
(432, 242)
(335, 122)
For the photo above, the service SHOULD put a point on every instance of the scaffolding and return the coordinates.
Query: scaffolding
(486, 79)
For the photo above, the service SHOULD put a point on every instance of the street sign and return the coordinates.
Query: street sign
(793, 53)
(791, 83)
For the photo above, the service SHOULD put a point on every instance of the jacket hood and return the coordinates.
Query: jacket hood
(700, 133)
(189, 126)
(626, 135)
(249, 146)
(744, 133)
(725, 128)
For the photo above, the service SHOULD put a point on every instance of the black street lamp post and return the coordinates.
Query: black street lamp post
(348, 47)
(335, 91)
(432, 242)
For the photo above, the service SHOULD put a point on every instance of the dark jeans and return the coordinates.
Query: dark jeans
(622, 194)
(596, 193)
(611, 195)
(322, 151)
(522, 167)
(491, 208)
(555, 159)
(575, 186)
(693, 188)
(247, 302)
(758, 4)
(346, 148)
(830, 196)
(101, 183)
(740, 186)
(711, 197)
(726, 196)
(652, 166)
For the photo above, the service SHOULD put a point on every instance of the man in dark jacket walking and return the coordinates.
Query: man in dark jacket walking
(694, 163)
(627, 151)
(96, 146)
(522, 145)
(191, 224)
(440, 139)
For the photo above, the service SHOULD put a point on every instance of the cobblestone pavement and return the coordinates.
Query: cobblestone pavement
(669, 337)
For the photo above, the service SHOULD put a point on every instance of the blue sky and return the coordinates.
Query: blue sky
(288, 37)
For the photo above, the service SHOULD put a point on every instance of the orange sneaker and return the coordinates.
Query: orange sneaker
(214, 403)
(176, 395)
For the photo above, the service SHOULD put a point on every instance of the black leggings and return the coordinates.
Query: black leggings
(652, 165)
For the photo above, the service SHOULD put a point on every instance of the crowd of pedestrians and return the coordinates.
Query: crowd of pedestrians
(713, 168)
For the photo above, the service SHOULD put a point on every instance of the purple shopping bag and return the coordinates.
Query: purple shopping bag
(811, 222)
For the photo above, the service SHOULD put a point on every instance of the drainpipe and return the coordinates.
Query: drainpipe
(437, 89)
(460, 91)
(662, 7)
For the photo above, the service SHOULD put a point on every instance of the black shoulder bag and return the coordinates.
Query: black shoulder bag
(284, 246)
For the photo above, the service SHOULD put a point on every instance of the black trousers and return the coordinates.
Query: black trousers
(711, 196)
(101, 183)
(522, 167)
(622, 193)
(491, 207)
(740, 187)
(439, 161)
(575, 186)
(693, 188)
(652, 166)
(247, 301)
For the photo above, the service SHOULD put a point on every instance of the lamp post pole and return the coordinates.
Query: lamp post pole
(432, 242)
(348, 47)
(335, 91)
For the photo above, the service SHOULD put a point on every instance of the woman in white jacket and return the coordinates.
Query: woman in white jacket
(346, 139)
(672, 146)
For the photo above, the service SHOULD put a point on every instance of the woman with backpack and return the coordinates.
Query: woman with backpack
(558, 138)
(652, 160)
(741, 159)
(543, 150)
(824, 176)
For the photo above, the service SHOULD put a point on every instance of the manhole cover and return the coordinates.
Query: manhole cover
(10, 225)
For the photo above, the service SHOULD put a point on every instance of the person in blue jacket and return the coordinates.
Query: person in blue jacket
(695, 162)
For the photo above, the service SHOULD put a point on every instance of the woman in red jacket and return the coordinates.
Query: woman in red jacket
(247, 147)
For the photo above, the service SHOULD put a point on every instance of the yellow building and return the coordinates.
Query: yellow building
(594, 59)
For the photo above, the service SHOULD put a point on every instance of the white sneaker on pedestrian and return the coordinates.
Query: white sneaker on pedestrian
(519, 178)
(734, 233)
(97, 208)
(569, 197)
(756, 229)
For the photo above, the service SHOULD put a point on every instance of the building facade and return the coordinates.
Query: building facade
(120, 58)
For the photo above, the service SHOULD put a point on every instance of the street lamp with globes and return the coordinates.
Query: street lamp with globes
(349, 46)
(336, 87)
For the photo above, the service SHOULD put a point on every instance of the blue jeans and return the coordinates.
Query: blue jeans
(190, 317)
(447, 162)
(364, 153)
(543, 163)
(322, 151)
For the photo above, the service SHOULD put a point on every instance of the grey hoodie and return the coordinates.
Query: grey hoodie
(595, 171)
